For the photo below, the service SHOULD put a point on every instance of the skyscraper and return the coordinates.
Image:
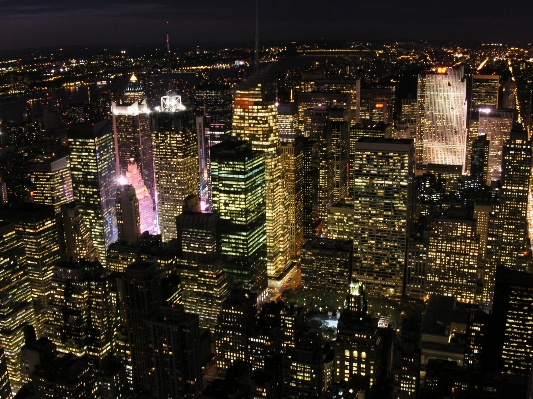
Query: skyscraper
(81, 315)
(174, 339)
(383, 201)
(441, 119)
(239, 198)
(140, 297)
(202, 277)
(176, 163)
(292, 158)
(516, 176)
(94, 180)
(452, 267)
(255, 120)
(15, 297)
(485, 90)
(52, 181)
(133, 140)
(128, 218)
(76, 234)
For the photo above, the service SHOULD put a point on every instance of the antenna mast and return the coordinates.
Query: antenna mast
(168, 61)
(256, 54)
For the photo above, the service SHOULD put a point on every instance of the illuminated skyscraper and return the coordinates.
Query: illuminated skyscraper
(133, 140)
(516, 177)
(15, 298)
(52, 181)
(340, 221)
(80, 315)
(452, 267)
(92, 162)
(238, 182)
(485, 90)
(174, 339)
(512, 312)
(496, 125)
(255, 120)
(441, 120)
(36, 228)
(176, 161)
(200, 268)
(287, 122)
(147, 215)
(128, 218)
(383, 202)
(76, 234)
(140, 297)
(292, 158)
(327, 264)
(235, 325)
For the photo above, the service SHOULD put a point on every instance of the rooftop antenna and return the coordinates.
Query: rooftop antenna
(168, 60)
(256, 54)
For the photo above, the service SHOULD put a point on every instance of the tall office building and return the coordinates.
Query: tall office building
(516, 176)
(81, 315)
(292, 159)
(128, 218)
(235, 325)
(76, 234)
(92, 162)
(203, 280)
(327, 264)
(485, 90)
(15, 297)
(36, 228)
(52, 181)
(238, 183)
(255, 120)
(512, 311)
(479, 160)
(441, 120)
(340, 221)
(174, 339)
(310, 185)
(147, 215)
(287, 122)
(176, 162)
(132, 135)
(383, 202)
(496, 125)
(140, 296)
(452, 266)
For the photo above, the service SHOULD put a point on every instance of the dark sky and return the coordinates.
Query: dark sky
(50, 23)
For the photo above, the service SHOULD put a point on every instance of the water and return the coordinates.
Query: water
(12, 108)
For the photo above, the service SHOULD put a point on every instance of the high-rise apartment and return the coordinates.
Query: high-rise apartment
(485, 90)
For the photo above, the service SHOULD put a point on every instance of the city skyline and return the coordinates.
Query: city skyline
(33, 24)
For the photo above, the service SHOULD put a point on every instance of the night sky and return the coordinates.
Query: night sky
(51, 23)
